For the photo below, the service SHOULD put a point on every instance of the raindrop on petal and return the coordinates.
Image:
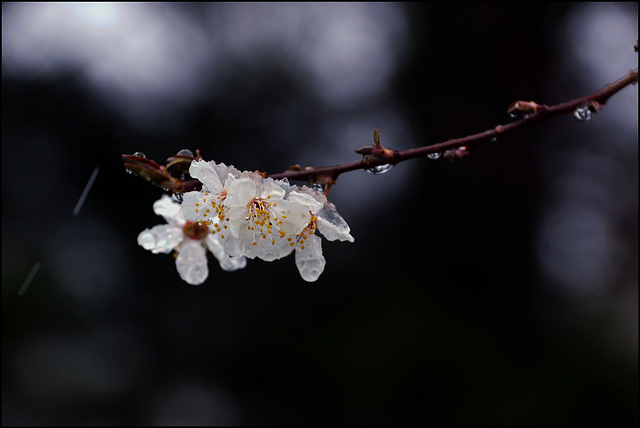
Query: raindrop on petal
(379, 169)
(318, 187)
(177, 197)
(583, 114)
(140, 155)
(434, 156)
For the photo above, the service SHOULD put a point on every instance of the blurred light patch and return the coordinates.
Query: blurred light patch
(357, 52)
(598, 38)
(577, 248)
(344, 53)
(135, 55)
(151, 59)
(93, 18)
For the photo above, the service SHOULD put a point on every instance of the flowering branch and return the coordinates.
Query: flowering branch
(239, 215)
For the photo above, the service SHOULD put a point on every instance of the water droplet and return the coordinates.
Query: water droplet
(140, 155)
(583, 114)
(185, 152)
(128, 171)
(318, 187)
(434, 156)
(177, 197)
(380, 169)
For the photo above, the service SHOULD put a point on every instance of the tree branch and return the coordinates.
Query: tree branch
(531, 113)
(528, 112)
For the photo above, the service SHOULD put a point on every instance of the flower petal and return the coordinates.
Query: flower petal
(239, 192)
(332, 231)
(232, 247)
(237, 220)
(193, 205)
(332, 225)
(170, 210)
(305, 199)
(161, 238)
(227, 263)
(294, 216)
(192, 262)
(272, 191)
(310, 261)
(203, 171)
(268, 249)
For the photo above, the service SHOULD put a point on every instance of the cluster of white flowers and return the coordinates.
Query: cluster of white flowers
(248, 216)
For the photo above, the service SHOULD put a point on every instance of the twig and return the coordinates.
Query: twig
(533, 113)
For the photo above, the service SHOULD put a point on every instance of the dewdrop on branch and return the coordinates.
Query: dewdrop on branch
(256, 217)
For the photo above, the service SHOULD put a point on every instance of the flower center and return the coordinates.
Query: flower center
(259, 221)
(193, 230)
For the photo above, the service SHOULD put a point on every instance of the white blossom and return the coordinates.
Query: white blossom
(189, 239)
(259, 217)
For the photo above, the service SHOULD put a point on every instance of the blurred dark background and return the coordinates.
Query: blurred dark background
(500, 289)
